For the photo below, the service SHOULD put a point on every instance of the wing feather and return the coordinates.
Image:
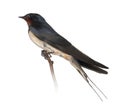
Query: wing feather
(51, 37)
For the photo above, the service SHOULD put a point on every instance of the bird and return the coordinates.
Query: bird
(44, 36)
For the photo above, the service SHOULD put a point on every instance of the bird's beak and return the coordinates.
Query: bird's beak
(22, 17)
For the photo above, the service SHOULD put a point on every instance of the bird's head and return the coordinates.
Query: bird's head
(33, 18)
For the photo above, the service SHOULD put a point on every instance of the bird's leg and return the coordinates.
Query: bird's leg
(47, 56)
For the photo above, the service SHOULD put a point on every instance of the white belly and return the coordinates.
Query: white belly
(47, 47)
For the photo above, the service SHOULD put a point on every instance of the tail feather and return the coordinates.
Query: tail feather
(99, 65)
(77, 66)
(83, 57)
(92, 84)
(92, 67)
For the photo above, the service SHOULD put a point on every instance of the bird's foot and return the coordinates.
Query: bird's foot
(47, 56)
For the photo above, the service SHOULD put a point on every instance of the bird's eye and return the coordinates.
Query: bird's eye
(29, 17)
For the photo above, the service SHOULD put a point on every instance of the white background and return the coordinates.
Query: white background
(25, 81)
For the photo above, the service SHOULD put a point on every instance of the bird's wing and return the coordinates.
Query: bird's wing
(58, 42)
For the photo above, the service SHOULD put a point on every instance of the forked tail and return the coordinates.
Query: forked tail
(92, 85)
(87, 79)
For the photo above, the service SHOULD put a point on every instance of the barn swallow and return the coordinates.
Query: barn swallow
(44, 36)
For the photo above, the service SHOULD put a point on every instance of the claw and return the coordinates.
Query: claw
(47, 56)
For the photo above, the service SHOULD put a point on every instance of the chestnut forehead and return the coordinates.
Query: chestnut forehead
(28, 19)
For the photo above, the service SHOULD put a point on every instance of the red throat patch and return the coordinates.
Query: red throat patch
(28, 20)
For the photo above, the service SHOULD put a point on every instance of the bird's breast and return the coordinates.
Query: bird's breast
(48, 47)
